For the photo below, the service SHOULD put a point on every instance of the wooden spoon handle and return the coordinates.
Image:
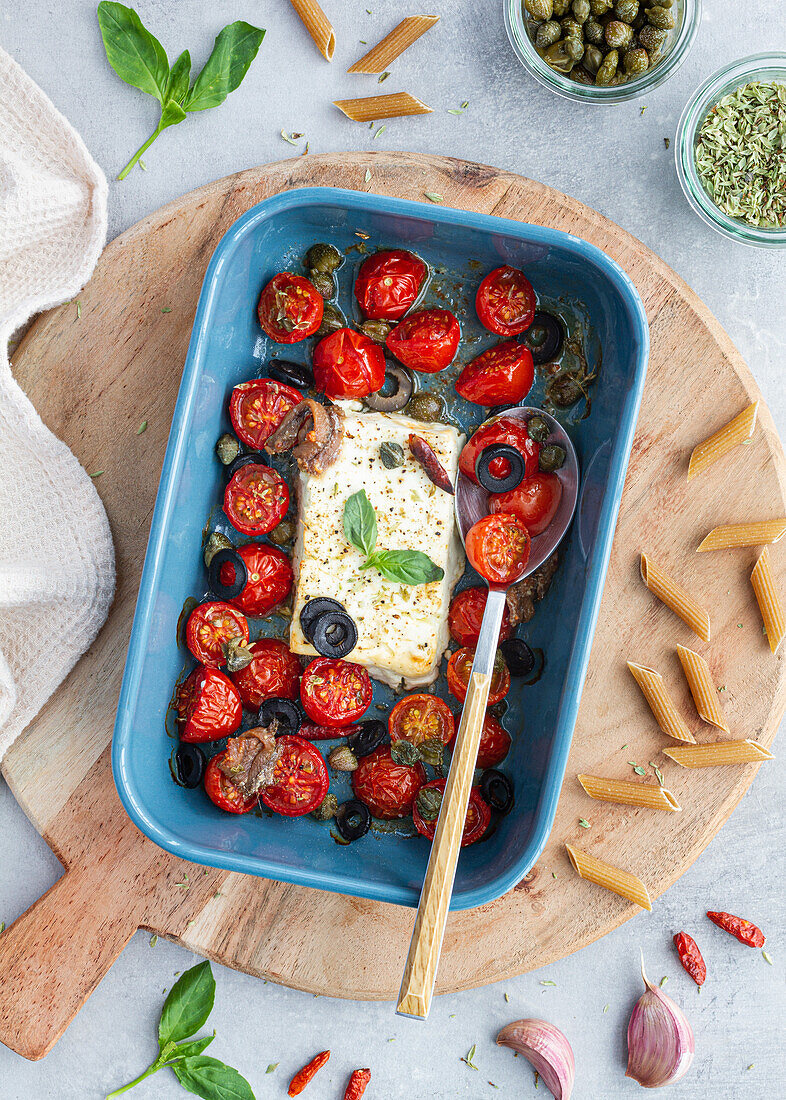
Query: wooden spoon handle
(420, 971)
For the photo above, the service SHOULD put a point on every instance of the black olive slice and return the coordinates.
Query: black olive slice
(544, 337)
(402, 389)
(514, 476)
(291, 374)
(188, 765)
(284, 711)
(497, 410)
(497, 790)
(334, 634)
(519, 658)
(253, 457)
(312, 609)
(353, 819)
(217, 587)
(368, 737)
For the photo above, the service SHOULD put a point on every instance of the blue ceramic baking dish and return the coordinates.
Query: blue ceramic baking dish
(227, 347)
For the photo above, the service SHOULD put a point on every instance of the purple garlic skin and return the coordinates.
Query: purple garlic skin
(660, 1040)
(547, 1050)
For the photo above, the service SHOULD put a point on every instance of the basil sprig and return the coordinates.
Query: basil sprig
(140, 60)
(185, 1011)
(399, 566)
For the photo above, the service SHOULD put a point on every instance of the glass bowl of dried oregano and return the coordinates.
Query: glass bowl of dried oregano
(731, 150)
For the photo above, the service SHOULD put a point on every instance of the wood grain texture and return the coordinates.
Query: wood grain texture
(96, 378)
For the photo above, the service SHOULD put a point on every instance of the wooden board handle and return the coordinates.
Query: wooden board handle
(56, 953)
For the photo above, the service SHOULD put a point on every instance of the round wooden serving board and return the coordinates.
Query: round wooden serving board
(95, 378)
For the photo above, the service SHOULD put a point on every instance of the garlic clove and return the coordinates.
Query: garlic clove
(660, 1039)
(546, 1049)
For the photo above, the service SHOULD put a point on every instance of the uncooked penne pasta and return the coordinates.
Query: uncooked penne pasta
(678, 599)
(381, 106)
(768, 600)
(318, 26)
(704, 692)
(629, 794)
(660, 702)
(717, 753)
(734, 535)
(409, 30)
(724, 440)
(610, 878)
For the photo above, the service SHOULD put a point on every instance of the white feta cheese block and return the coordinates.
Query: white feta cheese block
(402, 629)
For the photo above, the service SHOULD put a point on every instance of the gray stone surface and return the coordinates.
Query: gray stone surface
(614, 159)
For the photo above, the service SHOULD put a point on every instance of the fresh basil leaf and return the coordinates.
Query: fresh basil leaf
(360, 522)
(405, 566)
(233, 51)
(134, 53)
(192, 1049)
(188, 1005)
(177, 88)
(212, 1080)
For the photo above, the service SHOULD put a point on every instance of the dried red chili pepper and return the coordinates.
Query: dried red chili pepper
(304, 1075)
(424, 453)
(357, 1084)
(690, 957)
(743, 929)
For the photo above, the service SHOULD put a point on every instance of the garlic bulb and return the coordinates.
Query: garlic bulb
(660, 1039)
(548, 1051)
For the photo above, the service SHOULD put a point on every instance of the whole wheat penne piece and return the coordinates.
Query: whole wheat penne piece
(719, 444)
(318, 26)
(409, 30)
(373, 107)
(768, 600)
(677, 598)
(717, 753)
(629, 794)
(733, 535)
(610, 878)
(704, 692)
(660, 702)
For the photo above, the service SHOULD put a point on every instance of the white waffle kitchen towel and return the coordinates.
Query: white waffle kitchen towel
(57, 570)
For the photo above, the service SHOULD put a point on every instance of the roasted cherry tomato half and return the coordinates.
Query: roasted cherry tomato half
(535, 501)
(494, 743)
(419, 718)
(273, 672)
(475, 823)
(498, 547)
(348, 364)
(221, 790)
(388, 283)
(300, 778)
(426, 341)
(387, 788)
(502, 375)
(269, 581)
(466, 615)
(507, 429)
(460, 667)
(290, 308)
(208, 705)
(256, 499)
(335, 692)
(505, 301)
(211, 625)
(256, 409)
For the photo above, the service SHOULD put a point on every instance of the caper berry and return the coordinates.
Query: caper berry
(608, 69)
(574, 48)
(547, 34)
(392, 455)
(558, 57)
(618, 34)
(227, 448)
(326, 809)
(594, 33)
(376, 330)
(539, 9)
(561, 8)
(661, 17)
(564, 390)
(323, 258)
(282, 533)
(652, 38)
(552, 457)
(581, 10)
(216, 542)
(425, 406)
(538, 429)
(626, 10)
(593, 59)
(332, 321)
(323, 283)
(635, 61)
(571, 29)
(600, 7)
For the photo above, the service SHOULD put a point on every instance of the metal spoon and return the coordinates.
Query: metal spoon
(471, 504)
